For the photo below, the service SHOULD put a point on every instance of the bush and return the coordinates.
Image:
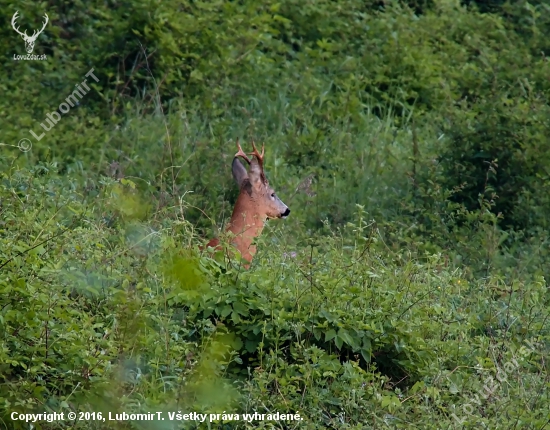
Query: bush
(498, 150)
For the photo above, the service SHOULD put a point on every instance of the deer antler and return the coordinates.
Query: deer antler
(43, 27)
(13, 22)
(259, 157)
(25, 35)
(241, 153)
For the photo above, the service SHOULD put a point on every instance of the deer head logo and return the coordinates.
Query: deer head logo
(29, 40)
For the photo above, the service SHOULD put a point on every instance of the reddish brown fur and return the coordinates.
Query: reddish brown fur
(256, 203)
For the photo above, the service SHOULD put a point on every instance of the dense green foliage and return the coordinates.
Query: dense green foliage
(408, 288)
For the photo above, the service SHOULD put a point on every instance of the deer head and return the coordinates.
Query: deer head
(29, 40)
(257, 202)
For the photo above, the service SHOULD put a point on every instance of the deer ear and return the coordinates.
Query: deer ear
(239, 172)
(256, 173)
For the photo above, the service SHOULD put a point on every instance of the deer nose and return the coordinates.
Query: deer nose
(287, 213)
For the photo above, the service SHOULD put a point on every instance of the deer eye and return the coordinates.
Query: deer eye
(273, 195)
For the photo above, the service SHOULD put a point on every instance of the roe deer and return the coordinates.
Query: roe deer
(257, 202)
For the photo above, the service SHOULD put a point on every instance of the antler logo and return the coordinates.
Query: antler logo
(29, 40)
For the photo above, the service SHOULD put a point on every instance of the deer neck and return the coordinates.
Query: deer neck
(245, 224)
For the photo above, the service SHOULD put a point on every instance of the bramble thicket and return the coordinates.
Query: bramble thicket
(409, 138)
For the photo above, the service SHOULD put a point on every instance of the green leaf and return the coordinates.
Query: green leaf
(329, 335)
(226, 310)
